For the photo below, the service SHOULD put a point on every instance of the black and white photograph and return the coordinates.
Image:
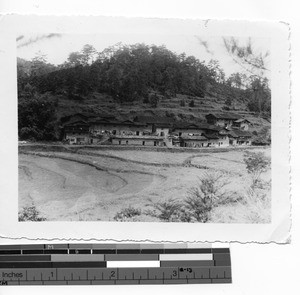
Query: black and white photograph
(150, 128)
(132, 125)
(146, 128)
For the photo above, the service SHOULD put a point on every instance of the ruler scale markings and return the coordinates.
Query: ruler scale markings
(56, 246)
(131, 257)
(79, 251)
(24, 257)
(204, 256)
(186, 263)
(55, 251)
(176, 264)
(30, 252)
(10, 252)
(135, 263)
(76, 257)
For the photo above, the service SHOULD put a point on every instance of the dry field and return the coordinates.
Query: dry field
(95, 184)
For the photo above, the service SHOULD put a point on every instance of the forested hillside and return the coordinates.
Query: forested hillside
(126, 80)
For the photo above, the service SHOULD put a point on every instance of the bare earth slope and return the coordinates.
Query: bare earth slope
(97, 185)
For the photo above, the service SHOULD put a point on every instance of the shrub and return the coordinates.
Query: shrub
(30, 213)
(256, 164)
(206, 196)
(127, 213)
(198, 205)
(168, 210)
(257, 207)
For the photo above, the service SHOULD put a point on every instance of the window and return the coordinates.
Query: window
(154, 143)
(180, 133)
(143, 142)
(126, 141)
(119, 141)
(137, 132)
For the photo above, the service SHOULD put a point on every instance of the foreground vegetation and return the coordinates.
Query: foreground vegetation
(209, 194)
(215, 195)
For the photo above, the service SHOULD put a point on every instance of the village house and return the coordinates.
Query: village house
(146, 140)
(76, 131)
(213, 140)
(114, 127)
(222, 120)
(77, 116)
(195, 141)
(240, 137)
(159, 126)
(157, 131)
(242, 124)
(185, 129)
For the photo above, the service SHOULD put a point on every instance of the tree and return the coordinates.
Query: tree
(39, 65)
(88, 54)
(206, 196)
(75, 59)
(256, 66)
(216, 72)
(237, 80)
(256, 164)
(37, 118)
(259, 95)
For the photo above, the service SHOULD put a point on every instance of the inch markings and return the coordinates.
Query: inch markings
(117, 264)
(141, 275)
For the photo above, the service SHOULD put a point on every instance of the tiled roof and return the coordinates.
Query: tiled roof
(153, 120)
(141, 137)
(186, 125)
(239, 133)
(116, 122)
(211, 136)
(200, 137)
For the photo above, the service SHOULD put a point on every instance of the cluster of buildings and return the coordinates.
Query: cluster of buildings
(219, 130)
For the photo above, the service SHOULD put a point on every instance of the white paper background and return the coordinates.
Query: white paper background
(257, 269)
(277, 230)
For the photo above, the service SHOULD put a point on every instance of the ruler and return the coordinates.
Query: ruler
(113, 264)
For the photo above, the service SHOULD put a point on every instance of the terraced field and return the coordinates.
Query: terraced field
(97, 184)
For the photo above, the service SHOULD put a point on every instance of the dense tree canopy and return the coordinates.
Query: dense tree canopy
(128, 73)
